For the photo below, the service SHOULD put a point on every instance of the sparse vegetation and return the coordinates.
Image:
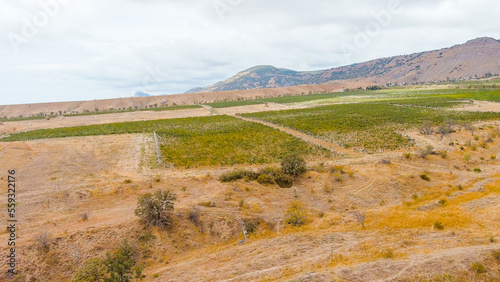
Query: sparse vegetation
(360, 217)
(425, 177)
(43, 241)
(423, 153)
(154, 209)
(438, 225)
(295, 215)
(478, 267)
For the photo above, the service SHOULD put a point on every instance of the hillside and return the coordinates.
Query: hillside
(475, 58)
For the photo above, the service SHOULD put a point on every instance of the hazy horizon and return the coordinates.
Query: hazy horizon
(67, 51)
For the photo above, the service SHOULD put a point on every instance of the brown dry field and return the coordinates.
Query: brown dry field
(60, 179)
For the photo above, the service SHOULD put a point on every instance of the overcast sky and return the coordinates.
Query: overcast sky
(63, 50)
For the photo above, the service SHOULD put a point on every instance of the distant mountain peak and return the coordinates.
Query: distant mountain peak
(141, 94)
(483, 40)
(473, 59)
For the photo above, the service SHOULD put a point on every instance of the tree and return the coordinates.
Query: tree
(154, 209)
(293, 165)
(120, 264)
(93, 270)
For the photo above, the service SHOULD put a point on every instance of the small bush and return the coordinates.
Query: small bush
(496, 255)
(194, 216)
(337, 175)
(385, 162)
(283, 180)
(265, 179)
(425, 177)
(442, 202)
(208, 204)
(438, 225)
(478, 267)
(360, 217)
(146, 237)
(237, 175)
(154, 209)
(423, 153)
(84, 216)
(270, 171)
(251, 225)
(241, 204)
(127, 181)
(43, 241)
(293, 165)
(295, 216)
(493, 157)
(328, 189)
(408, 156)
(444, 154)
(477, 170)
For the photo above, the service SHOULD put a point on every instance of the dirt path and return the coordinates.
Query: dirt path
(480, 106)
(335, 149)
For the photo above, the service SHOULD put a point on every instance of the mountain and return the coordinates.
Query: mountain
(474, 58)
(141, 94)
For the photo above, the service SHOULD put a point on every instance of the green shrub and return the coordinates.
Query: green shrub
(442, 202)
(425, 177)
(444, 154)
(251, 225)
(238, 174)
(265, 179)
(496, 255)
(295, 216)
(146, 237)
(270, 171)
(293, 165)
(479, 267)
(438, 225)
(154, 209)
(93, 270)
(493, 157)
(283, 180)
(477, 170)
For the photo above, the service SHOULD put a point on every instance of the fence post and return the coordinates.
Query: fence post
(158, 155)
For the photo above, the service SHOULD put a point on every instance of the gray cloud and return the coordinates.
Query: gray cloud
(106, 49)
